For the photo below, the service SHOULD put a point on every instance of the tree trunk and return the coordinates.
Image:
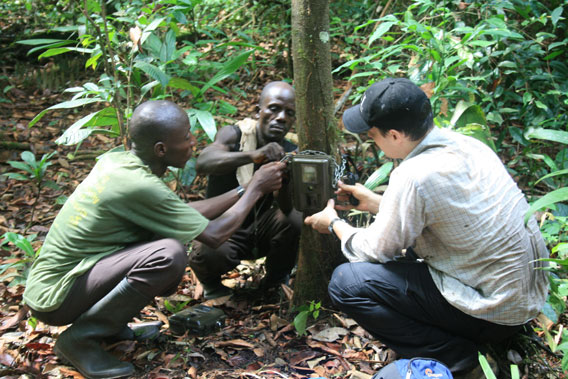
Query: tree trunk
(317, 130)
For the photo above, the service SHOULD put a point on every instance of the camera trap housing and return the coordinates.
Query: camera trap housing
(197, 320)
(312, 178)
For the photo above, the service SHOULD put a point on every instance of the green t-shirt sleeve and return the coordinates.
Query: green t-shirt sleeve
(158, 210)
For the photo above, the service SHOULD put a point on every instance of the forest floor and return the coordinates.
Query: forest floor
(258, 339)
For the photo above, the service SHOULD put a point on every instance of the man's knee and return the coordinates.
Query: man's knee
(341, 281)
(175, 256)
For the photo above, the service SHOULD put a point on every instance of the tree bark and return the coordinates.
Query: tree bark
(317, 130)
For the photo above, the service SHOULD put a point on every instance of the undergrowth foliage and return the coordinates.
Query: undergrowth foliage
(495, 70)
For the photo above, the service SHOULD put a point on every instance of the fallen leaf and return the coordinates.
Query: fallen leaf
(70, 372)
(314, 362)
(259, 352)
(354, 374)
(324, 347)
(235, 343)
(330, 334)
(302, 356)
(6, 359)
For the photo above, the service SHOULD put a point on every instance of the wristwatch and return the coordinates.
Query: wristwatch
(240, 191)
(330, 227)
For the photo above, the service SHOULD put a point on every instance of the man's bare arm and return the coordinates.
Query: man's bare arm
(265, 180)
(218, 159)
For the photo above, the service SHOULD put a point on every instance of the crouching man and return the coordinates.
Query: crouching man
(118, 240)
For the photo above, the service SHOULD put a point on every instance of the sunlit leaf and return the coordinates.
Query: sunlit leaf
(40, 41)
(552, 174)
(556, 14)
(550, 198)
(547, 134)
(228, 68)
(379, 176)
(206, 121)
(49, 46)
(154, 72)
(383, 28)
(486, 367)
(62, 50)
(78, 131)
(64, 105)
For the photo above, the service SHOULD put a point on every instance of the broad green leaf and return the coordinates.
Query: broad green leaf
(154, 72)
(547, 134)
(49, 46)
(486, 367)
(300, 322)
(53, 52)
(379, 176)
(498, 22)
(29, 158)
(241, 44)
(40, 41)
(178, 53)
(541, 105)
(228, 68)
(188, 174)
(383, 28)
(181, 83)
(363, 74)
(92, 61)
(556, 14)
(466, 113)
(21, 166)
(16, 176)
(148, 87)
(549, 162)
(553, 55)
(206, 121)
(168, 46)
(552, 174)
(479, 132)
(227, 108)
(482, 43)
(515, 372)
(62, 50)
(77, 133)
(148, 29)
(73, 137)
(550, 198)
(64, 105)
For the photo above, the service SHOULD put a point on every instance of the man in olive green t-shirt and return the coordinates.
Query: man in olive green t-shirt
(118, 240)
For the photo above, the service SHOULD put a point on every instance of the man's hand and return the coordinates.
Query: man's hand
(268, 178)
(368, 200)
(321, 220)
(268, 153)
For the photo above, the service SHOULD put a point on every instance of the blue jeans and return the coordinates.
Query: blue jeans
(399, 304)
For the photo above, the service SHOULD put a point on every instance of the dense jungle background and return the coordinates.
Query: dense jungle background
(72, 72)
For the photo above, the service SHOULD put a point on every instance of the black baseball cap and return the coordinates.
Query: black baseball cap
(392, 101)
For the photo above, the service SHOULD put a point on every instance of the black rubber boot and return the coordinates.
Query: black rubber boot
(80, 344)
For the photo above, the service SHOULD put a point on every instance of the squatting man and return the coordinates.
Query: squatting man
(470, 273)
(119, 239)
(272, 228)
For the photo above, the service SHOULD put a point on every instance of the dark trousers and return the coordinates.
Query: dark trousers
(399, 304)
(154, 268)
(273, 235)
